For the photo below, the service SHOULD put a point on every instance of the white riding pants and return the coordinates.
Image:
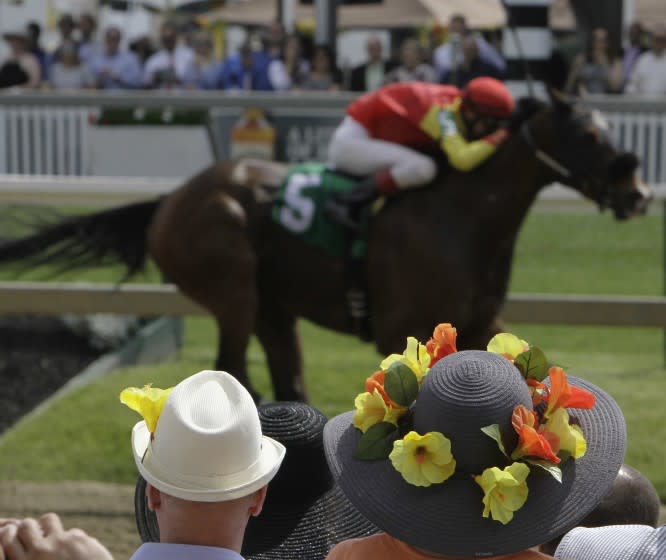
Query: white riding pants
(353, 151)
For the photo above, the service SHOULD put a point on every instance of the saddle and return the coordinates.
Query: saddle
(298, 194)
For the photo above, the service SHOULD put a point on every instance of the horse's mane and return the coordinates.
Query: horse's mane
(526, 108)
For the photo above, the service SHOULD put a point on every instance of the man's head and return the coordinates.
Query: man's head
(112, 38)
(457, 24)
(87, 25)
(635, 34)
(373, 47)
(486, 102)
(169, 35)
(34, 30)
(659, 40)
(66, 26)
(410, 53)
(201, 451)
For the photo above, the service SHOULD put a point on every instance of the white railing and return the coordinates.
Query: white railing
(51, 134)
(44, 140)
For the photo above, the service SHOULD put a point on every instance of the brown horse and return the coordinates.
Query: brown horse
(437, 253)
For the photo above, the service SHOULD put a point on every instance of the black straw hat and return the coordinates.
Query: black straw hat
(305, 513)
(461, 394)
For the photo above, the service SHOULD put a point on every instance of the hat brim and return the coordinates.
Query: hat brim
(14, 35)
(281, 531)
(447, 518)
(219, 488)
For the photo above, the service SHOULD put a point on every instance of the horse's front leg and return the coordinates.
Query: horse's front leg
(277, 333)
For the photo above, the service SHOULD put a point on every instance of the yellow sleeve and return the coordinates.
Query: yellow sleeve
(464, 155)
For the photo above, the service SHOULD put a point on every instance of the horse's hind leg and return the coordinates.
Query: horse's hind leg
(276, 331)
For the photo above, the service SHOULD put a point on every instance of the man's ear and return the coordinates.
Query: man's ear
(153, 497)
(257, 501)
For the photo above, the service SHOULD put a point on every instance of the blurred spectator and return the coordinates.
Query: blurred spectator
(371, 74)
(325, 75)
(632, 500)
(292, 69)
(273, 39)
(472, 65)
(205, 69)
(88, 47)
(34, 31)
(636, 47)
(168, 67)
(66, 27)
(143, 48)
(21, 68)
(246, 70)
(412, 68)
(113, 68)
(447, 57)
(597, 70)
(649, 76)
(68, 72)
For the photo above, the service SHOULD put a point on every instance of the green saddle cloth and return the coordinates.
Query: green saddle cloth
(299, 208)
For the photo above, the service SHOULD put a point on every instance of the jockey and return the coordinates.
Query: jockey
(392, 134)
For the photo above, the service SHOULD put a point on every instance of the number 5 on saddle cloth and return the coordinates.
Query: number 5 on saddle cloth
(299, 209)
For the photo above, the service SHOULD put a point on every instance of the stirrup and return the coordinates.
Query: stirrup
(341, 213)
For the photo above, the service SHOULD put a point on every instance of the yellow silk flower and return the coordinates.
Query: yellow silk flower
(371, 409)
(572, 439)
(423, 460)
(507, 345)
(505, 491)
(415, 357)
(148, 402)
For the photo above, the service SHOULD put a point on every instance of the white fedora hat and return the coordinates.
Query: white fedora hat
(207, 445)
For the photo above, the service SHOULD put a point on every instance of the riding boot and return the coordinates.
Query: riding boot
(346, 207)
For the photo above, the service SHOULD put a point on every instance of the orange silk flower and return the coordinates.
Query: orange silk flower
(532, 442)
(442, 343)
(376, 381)
(563, 395)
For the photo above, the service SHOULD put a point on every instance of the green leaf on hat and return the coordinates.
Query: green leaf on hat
(376, 442)
(400, 384)
(552, 470)
(532, 364)
(493, 431)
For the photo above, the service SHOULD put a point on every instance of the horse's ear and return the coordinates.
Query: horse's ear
(560, 100)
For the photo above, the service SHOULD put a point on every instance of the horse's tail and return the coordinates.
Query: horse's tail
(116, 235)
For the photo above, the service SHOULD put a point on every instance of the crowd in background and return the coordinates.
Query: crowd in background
(183, 57)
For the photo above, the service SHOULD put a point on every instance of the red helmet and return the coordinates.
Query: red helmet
(488, 96)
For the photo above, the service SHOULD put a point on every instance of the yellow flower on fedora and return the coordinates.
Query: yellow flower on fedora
(148, 402)
(423, 460)
(371, 409)
(415, 357)
(571, 436)
(507, 345)
(505, 491)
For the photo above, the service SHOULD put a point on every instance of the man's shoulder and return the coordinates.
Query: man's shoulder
(167, 551)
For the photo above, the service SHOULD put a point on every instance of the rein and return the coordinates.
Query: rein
(586, 183)
(541, 155)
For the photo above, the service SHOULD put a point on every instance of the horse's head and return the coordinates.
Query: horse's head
(580, 154)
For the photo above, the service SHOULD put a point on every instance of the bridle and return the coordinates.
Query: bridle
(590, 186)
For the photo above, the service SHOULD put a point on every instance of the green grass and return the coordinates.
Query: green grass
(86, 435)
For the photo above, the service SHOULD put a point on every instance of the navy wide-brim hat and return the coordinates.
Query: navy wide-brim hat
(305, 513)
(462, 393)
